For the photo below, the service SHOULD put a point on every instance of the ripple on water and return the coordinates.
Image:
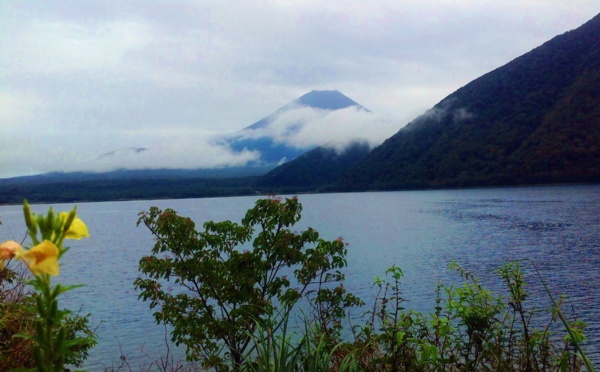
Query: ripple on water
(555, 228)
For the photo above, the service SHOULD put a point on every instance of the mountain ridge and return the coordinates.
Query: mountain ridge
(534, 120)
(320, 99)
(479, 135)
(274, 153)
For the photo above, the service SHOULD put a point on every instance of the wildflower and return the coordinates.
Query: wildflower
(41, 259)
(8, 250)
(77, 229)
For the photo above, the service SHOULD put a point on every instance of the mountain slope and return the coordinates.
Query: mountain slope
(260, 136)
(126, 183)
(319, 99)
(534, 120)
(318, 168)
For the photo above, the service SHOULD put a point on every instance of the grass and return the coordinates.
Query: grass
(470, 328)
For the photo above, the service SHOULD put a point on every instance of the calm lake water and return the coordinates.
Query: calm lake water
(556, 228)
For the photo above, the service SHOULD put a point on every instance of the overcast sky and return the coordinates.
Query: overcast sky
(82, 78)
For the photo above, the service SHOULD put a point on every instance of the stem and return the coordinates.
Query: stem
(586, 360)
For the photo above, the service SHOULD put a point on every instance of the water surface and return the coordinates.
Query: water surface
(555, 228)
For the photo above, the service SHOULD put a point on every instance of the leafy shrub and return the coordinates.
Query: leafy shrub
(227, 290)
(233, 304)
(470, 329)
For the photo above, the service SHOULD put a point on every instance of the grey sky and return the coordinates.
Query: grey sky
(82, 78)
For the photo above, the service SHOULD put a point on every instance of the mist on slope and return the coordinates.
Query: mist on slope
(305, 127)
(300, 127)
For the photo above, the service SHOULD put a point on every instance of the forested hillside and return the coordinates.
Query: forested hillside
(317, 170)
(534, 120)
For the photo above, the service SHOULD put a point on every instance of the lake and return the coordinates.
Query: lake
(557, 228)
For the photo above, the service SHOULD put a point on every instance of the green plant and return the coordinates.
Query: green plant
(228, 290)
(232, 305)
(393, 338)
(274, 351)
(574, 329)
(14, 294)
(305, 348)
(477, 313)
(471, 328)
(51, 337)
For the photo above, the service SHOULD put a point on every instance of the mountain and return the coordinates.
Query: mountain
(268, 135)
(123, 184)
(123, 152)
(314, 170)
(319, 99)
(534, 120)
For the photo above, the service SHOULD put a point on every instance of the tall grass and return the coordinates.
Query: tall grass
(470, 329)
(575, 337)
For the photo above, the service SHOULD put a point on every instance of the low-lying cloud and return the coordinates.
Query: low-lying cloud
(306, 127)
(183, 153)
(301, 127)
(84, 78)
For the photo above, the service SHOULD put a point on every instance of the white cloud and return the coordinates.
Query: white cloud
(186, 153)
(16, 109)
(41, 47)
(78, 79)
(304, 127)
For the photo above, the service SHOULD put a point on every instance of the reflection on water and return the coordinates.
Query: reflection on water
(556, 228)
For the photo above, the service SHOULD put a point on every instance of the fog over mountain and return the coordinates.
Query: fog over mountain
(336, 128)
(173, 153)
(533, 120)
(83, 78)
(317, 118)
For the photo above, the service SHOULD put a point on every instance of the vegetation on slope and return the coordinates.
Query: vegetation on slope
(316, 170)
(534, 120)
(126, 189)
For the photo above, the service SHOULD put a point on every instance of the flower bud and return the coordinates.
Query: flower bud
(29, 218)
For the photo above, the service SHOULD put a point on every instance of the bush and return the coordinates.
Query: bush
(228, 290)
(232, 305)
(470, 329)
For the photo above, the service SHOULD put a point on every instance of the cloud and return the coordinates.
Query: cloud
(306, 127)
(300, 127)
(440, 113)
(82, 78)
(462, 114)
(57, 48)
(185, 153)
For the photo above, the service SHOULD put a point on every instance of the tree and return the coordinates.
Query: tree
(227, 288)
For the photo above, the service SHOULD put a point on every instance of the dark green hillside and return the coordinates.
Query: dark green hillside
(125, 189)
(567, 143)
(313, 170)
(534, 120)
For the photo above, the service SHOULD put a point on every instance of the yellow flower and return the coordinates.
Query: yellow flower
(77, 230)
(8, 250)
(41, 259)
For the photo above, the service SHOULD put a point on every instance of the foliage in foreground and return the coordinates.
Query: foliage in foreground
(228, 289)
(471, 329)
(35, 334)
(232, 306)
